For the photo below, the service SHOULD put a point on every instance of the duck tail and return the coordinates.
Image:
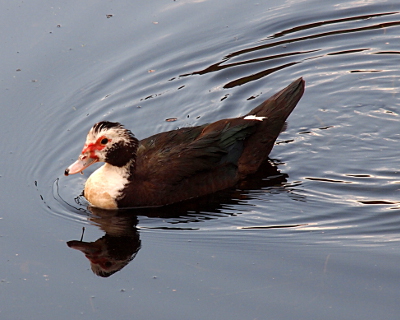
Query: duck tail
(272, 114)
(282, 103)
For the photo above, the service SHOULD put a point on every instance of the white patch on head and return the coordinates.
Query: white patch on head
(253, 117)
(115, 134)
(105, 185)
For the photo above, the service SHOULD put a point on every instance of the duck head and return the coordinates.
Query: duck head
(107, 142)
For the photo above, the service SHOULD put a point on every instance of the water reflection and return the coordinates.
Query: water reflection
(121, 242)
(116, 248)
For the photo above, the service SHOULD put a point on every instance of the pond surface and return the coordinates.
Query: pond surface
(317, 237)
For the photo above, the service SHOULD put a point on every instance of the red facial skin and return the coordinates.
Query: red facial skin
(87, 157)
(91, 148)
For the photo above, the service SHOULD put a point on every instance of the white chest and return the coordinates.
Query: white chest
(104, 186)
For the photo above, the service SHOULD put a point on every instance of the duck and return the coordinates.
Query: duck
(182, 164)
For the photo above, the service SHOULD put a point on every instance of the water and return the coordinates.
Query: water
(318, 240)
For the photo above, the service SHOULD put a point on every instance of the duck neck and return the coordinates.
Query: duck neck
(130, 167)
(126, 171)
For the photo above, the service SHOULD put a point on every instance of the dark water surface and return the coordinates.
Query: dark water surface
(317, 237)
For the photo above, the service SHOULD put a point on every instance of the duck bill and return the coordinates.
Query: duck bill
(79, 165)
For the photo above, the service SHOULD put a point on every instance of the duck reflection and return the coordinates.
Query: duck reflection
(121, 241)
(116, 248)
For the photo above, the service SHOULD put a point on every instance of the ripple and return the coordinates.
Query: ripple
(327, 180)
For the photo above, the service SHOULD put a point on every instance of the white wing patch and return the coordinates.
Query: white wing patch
(253, 117)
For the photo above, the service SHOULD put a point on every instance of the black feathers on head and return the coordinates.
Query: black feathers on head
(105, 125)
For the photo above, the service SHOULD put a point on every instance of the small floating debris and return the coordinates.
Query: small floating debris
(105, 97)
(254, 96)
(171, 119)
(224, 97)
(109, 16)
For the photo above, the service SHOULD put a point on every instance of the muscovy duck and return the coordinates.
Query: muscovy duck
(181, 164)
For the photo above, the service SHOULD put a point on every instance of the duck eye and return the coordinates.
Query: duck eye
(104, 141)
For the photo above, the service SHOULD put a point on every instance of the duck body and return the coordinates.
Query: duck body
(181, 164)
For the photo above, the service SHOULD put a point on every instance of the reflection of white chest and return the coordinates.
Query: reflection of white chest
(105, 185)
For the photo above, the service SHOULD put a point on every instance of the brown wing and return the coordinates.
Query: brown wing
(189, 162)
